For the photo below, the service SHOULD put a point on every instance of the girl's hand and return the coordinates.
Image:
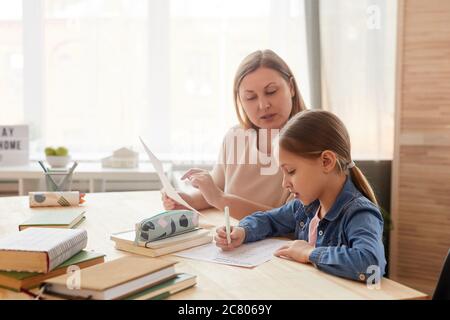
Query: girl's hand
(202, 180)
(237, 236)
(297, 250)
(170, 204)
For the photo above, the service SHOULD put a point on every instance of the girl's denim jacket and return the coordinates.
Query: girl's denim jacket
(349, 237)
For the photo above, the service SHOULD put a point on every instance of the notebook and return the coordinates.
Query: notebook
(54, 219)
(128, 237)
(114, 279)
(40, 249)
(248, 255)
(125, 241)
(163, 290)
(25, 280)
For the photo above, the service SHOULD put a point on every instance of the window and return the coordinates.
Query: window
(112, 70)
(358, 41)
(11, 63)
(93, 75)
(96, 58)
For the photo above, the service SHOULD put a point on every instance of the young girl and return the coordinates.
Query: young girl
(335, 215)
(266, 96)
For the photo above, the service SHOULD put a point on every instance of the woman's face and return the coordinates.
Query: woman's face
(266, 98)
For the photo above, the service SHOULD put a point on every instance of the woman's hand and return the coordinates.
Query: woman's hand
(237, 236)
(298, 250)
(202, 180)
(170, 204)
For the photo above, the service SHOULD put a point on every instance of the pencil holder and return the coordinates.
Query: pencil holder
(58, 181)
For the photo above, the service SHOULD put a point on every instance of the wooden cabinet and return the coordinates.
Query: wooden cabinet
(421, 168)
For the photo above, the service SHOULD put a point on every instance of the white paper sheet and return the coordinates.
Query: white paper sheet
(168, 188)
(248, 255)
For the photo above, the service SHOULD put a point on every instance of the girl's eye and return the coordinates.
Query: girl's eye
(250, 98)
(290, 172)
(271, 92)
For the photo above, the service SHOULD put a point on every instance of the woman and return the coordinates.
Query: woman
(266, 96)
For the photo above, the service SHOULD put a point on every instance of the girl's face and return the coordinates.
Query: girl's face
(266, 98)
(306, 178)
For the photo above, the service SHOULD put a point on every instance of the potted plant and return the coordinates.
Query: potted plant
(57, 158)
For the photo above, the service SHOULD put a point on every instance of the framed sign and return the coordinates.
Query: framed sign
(14, 145)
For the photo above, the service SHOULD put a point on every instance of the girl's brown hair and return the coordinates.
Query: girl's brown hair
(311, 132)
(267, 59)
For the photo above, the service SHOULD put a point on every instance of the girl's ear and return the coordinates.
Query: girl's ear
(291, 86)
(328, 159)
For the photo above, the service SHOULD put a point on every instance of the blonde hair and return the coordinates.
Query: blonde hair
(311, 132)
(268, 59)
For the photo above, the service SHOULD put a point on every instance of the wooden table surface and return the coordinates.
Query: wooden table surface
(107, 213)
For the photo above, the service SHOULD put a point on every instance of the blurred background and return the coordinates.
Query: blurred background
(94, 75)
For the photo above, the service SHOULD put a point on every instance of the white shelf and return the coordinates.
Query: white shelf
(31, 177)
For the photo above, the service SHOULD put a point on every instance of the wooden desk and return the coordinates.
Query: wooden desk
(277, 279)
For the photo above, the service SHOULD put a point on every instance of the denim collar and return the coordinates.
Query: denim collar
(348, 193)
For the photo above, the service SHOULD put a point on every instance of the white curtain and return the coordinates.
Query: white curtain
(11, 66)
(111, 70)
(358, 41)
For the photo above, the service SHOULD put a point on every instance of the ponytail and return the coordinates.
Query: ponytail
(362, 184)
(310, 132)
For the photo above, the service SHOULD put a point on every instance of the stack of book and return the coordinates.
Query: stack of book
(126, 241)
(29, 257)
(132, 277)
(20, 281)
